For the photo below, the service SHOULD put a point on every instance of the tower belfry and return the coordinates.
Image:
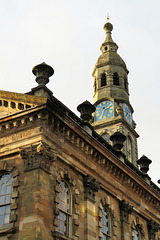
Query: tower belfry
(111, 96)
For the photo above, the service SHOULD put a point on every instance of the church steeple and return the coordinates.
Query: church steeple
(111, 96)
(110, 71)
(109, 43)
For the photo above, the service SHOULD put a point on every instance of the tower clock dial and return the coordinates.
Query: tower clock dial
(127, 113)
(104, 110)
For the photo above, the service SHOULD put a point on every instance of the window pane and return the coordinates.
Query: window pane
(136, 235)
(6, 218)
(5, 198)
(8, 189)
(64, 197)
(2, 200)
(1, 219)
(61, 224)
(2, 210)
(105, 223)
(65, 209)
(7, 209)
(10, 179)
(3, 189)
(8, 199)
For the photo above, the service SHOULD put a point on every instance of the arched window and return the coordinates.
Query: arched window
(65, 211)
(136, 234)
(5, 199)
(103, 79)
(115, 79)
(129, 149)
(125, 83)
(106, 224)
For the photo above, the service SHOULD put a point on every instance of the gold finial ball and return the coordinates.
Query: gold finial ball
(108, 27)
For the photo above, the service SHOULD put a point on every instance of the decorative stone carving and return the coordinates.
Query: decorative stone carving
(118, 139)
(38, 156)
(42, 73)
(137, 225)
(144, 163)
(153, 227)
(86, 109)
(90, 187)
(125, 210)
(119, 111)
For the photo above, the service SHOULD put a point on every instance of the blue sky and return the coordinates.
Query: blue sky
(67, 35)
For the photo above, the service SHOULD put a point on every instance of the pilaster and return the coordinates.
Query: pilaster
(90, 187)
(36, 211)
(125, 210)
(153, 227)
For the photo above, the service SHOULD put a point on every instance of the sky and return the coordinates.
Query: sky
(67, 35)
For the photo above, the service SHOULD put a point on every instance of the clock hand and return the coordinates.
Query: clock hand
(105, 109)
(128, 114)
(102, 112)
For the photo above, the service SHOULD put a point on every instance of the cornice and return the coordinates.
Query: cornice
(91, 146)
(109, 62)
(96, 150)
(116, 120)
(21, 118)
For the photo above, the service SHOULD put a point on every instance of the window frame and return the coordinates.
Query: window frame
(103, 79)
(106, 235)
(68, 215)
(5, 204)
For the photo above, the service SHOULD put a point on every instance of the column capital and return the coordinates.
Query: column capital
(91, 186)
(125, 210)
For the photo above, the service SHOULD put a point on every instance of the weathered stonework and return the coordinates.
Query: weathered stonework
(153, 227)
(90, 187)
(38, 156)
(43, 144)
(125, 210)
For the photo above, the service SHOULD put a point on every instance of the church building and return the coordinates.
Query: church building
(64, 177)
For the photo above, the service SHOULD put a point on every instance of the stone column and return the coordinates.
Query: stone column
(153, 227)
(125, 210)
(90, 187)
(109, 78)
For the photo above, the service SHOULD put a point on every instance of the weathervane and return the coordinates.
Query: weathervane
(107, 16)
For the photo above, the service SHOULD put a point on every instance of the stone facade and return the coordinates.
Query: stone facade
(67, 181)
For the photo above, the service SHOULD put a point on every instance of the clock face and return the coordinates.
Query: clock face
(104, 110)
(127, 113)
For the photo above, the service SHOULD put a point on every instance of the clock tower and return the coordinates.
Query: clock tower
(111, 97)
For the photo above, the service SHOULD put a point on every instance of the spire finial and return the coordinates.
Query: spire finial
(108, 27)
